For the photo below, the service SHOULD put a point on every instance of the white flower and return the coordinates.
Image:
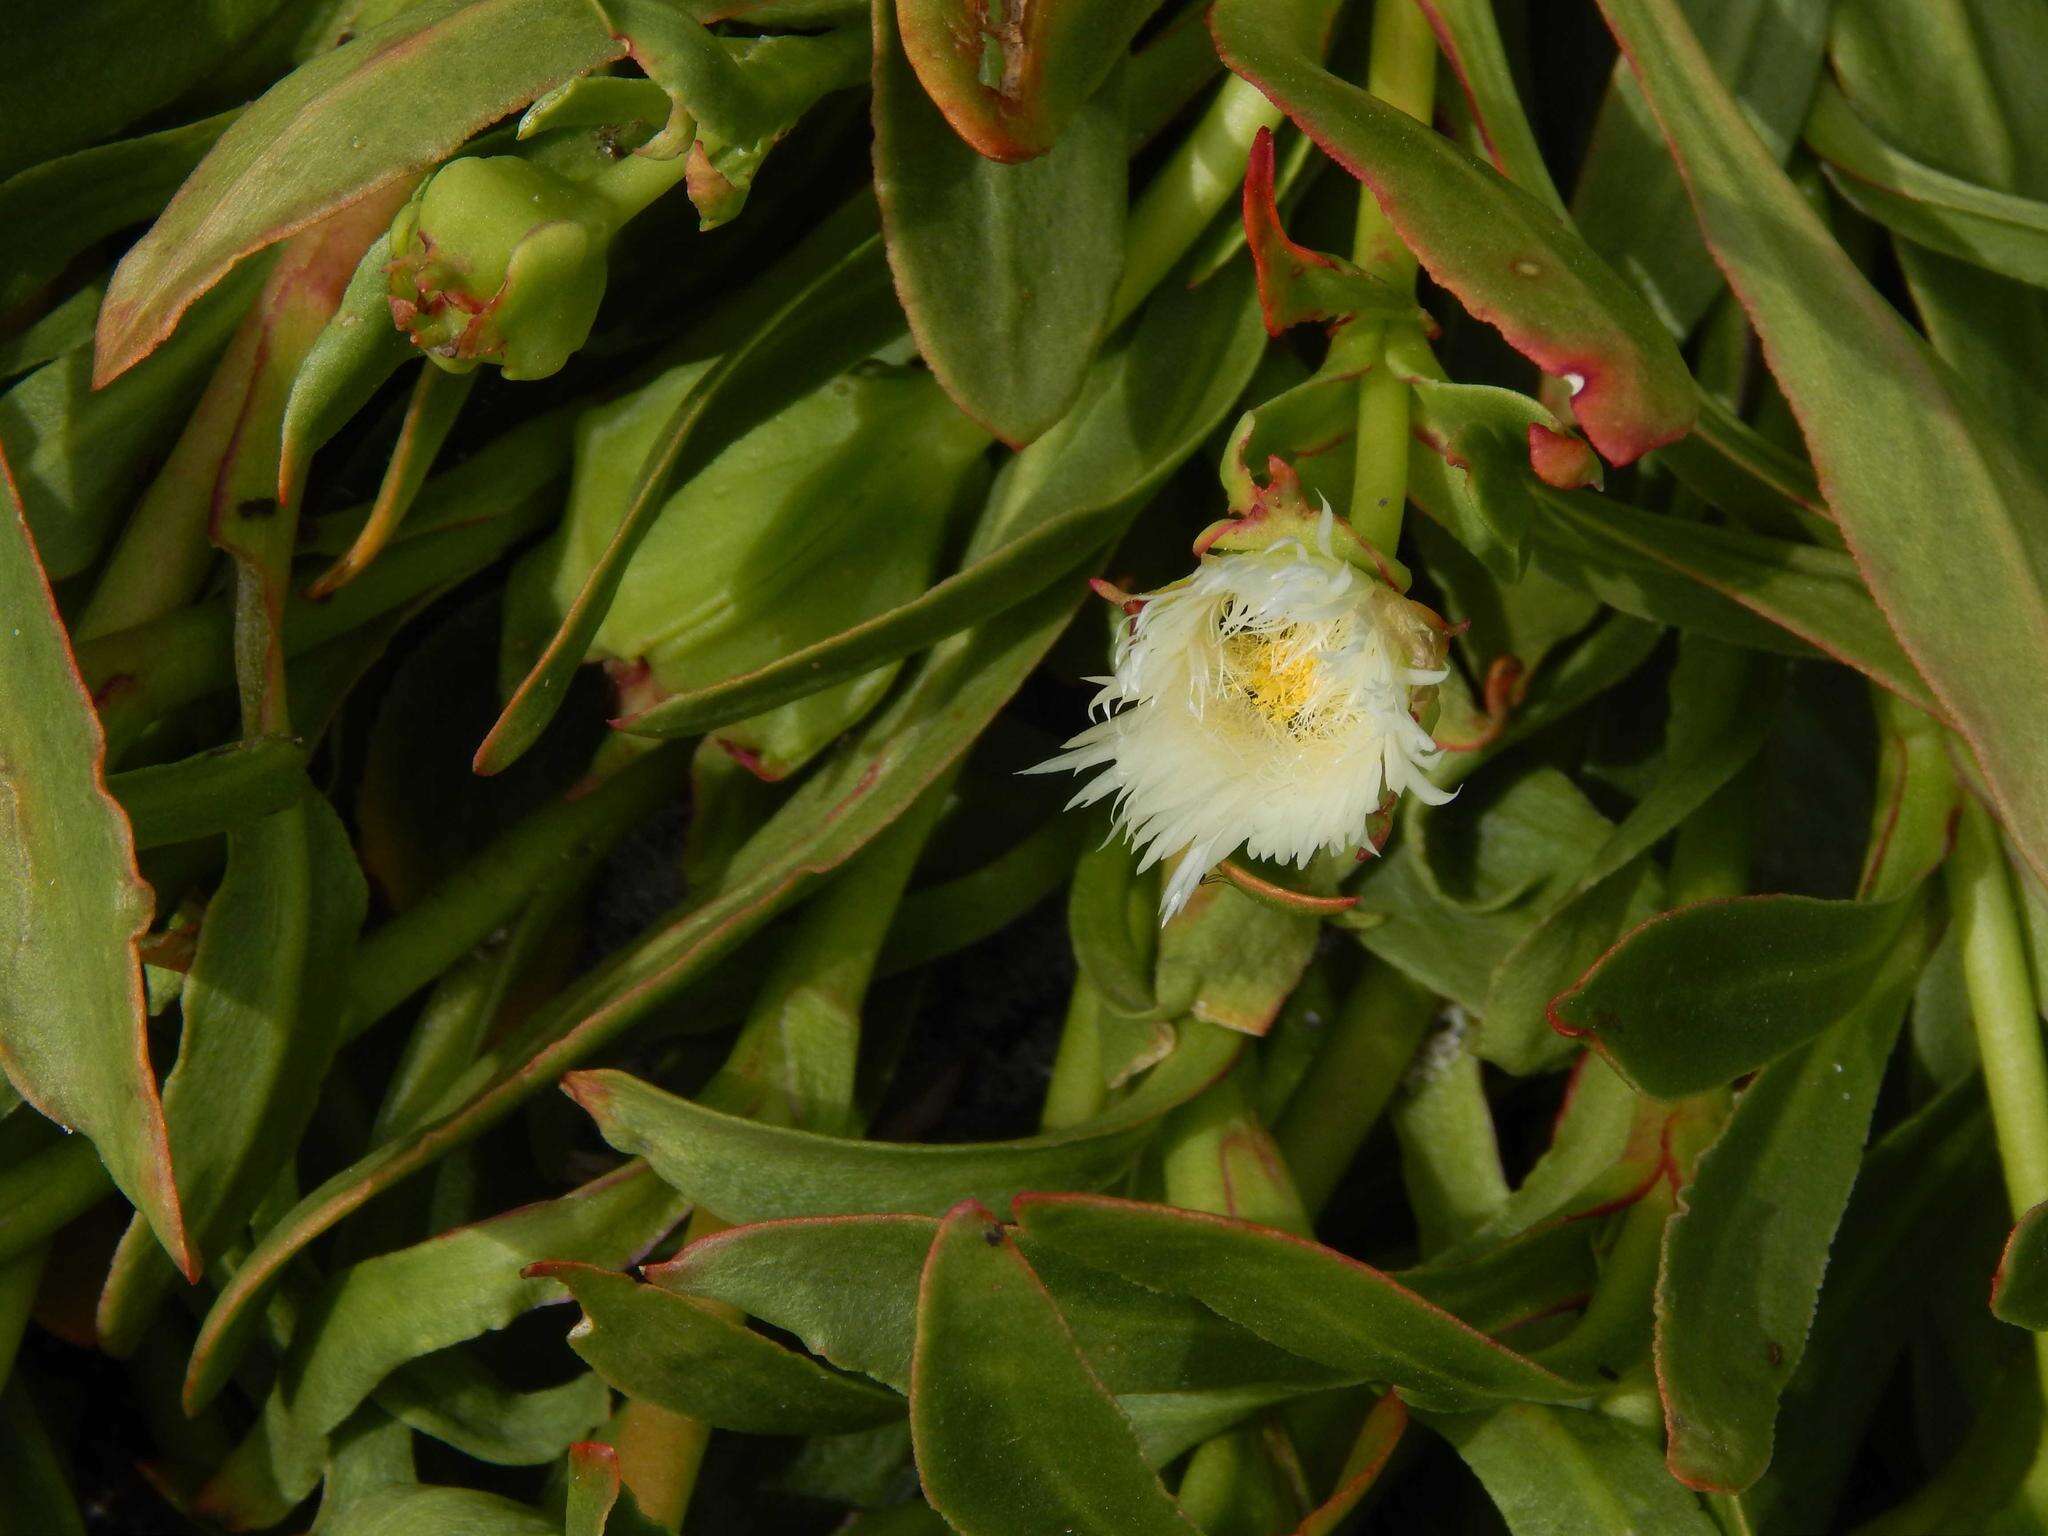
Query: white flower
(1265, 702)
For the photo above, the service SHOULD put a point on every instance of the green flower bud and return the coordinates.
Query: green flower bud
(499, 260)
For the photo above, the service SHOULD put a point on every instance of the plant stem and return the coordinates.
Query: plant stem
(1218, 1158)
(1076, 1092)
(1352, 1080)
(2002, 1002)
(1402, 73)
(1203, 174)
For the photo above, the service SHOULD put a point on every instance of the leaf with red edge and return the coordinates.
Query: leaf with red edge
(1378, 1438)
(1311, 1300)
(1893, 431)
(1499, 249)
(1693, 999)
(1009, 77)
(598, 1503)
(73, 1035)
(2019, 1291)
(1005, 271)
(391, 102)
(1014, 1434)
(1297, 284)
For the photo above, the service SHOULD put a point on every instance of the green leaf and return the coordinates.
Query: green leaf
(1721, 710)
(748, 1171)
(1981, 225)
(58, 209)
(1014, 1434)
(847, 1286)
(692, 1359)
(1552, 1470)
(373, 1318)
(1148, 402)
(834, 321)
(1308, 1299)
(391, 102)
(212, 792)
(2019, 1291)
(1499, 249)
(1744, 1255)
(39, 1497)
(1006, 271)
(1744, 588)
(417, 1508)
(73, 1034)
(262, 1009)
(79, 453)
(1695, 998)
(456, 1400)
(136, 57)
(1629, 200)
(598, 1502)
(1469, 35)
(355, 352)
(862, 788)
(1915, 1196)
(1889, 431)
(1014, 83)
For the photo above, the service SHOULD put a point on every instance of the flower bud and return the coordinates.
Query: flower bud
(499, 260)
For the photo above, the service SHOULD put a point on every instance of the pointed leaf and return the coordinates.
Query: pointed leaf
(1890, 428)
(1500, 249)
(73, 1035)
(1014, 1433)
(1552, 1470)
(1306, 1298)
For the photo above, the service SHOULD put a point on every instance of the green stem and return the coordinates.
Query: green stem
(1402, 73)
(1352, 1080)
(1218, 1158)
(2002, 1002)
(1203, 174)
(1076, 1092)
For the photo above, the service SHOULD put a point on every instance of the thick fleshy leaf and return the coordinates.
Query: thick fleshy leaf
(745, 1170)
(390, 102)
(1147, 403)
(847, 1286)
(1890, 430)
(694, 1359)
(1553, 1470)
(1745, 588)
(374, 1317)
(1006, 271)
(1720, 713)
(1469, 35)
(412, 1509)
(453, 1398)
(73, 1035)
(1501, 250)
(1309, 1299)
(2019, 1291)
(262, 1010)
(1012, 82)
(1917, 1192)
(1693, 999)
(1014, 1433)
(138, 59)
(860, 790)
(598, 1502)
(59, 208)
(214, 791)
(1982, 225)
(1744, 1255)
(1630, 201)
(831, 323)
(80, 453)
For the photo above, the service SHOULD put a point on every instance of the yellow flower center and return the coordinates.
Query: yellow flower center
(1275, 672)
